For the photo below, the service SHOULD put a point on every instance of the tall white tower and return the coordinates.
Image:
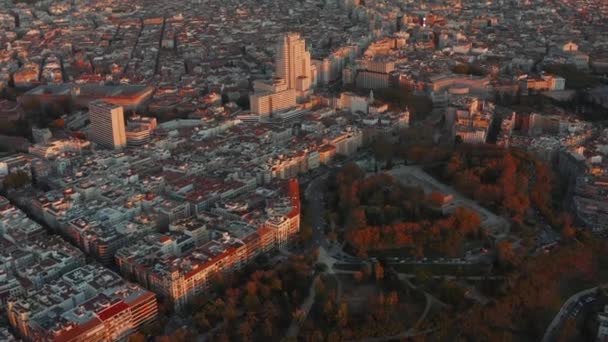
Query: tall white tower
(107, 124)
(293, 63)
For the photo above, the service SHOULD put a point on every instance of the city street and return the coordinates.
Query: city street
(316, 208)
(569, 310)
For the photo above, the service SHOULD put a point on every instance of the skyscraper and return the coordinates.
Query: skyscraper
(293, 63)
(107, 124)
(293, 78)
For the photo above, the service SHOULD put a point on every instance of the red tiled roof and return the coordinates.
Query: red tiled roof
(327, 148)
(294, 194)
(228, 252)
(113, 310)
(72, 334)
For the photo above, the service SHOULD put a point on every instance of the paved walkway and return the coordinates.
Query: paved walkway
(430, 299)
(411, 332)
(414, 175)
(326, 258)
(294, 327)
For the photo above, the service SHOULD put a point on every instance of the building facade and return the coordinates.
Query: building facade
(293, 63)
(271, 96)
(107, 125)
(89, 303)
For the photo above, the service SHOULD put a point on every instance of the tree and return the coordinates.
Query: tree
(179, 335)
(155, 328)
(251, 301)
(275, 283)
(58, 123)
(568, 231)
(320, 267)
(268, 328)
(378, 271)
(137, 337)
(305, 233)
(270, 313)
(15, 180)
(350, 173)
(383, 149)
(245, 330)
(451, 293)
(230, 313)
(332, 236)
(21, 127)
(357, 219)
(201, 321)
(225, 98)
(333, 336)
(252, 288)
(506, 256)
(466, 220)
(419, 105)
(569, 331)
(575, 78)
(436, 198)
(222, 337)
(243, 102)
(392, 298)
(342, 315)
(468, 69)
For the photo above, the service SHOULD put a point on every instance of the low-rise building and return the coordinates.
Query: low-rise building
(180, 265)
(90, 303)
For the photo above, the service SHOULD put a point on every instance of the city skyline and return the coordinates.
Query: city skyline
(318, 170)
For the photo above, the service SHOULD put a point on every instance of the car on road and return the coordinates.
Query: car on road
(576, 310)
